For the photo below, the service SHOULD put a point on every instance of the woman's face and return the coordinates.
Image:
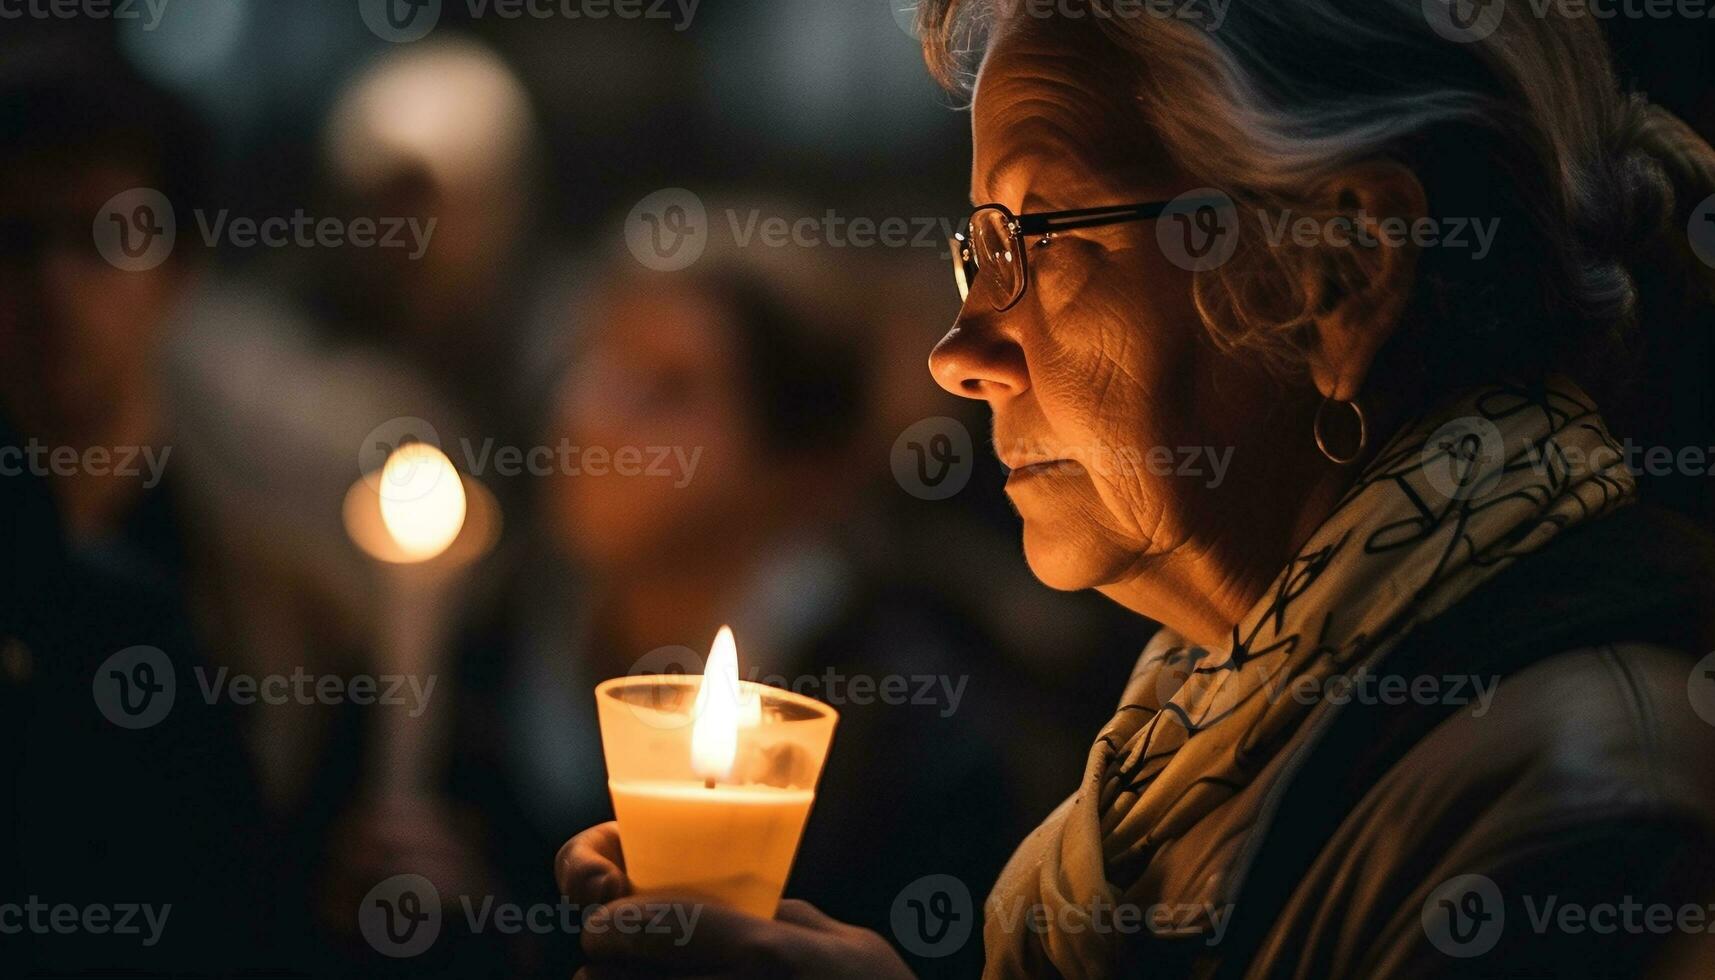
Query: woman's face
(1110, 405)
(658, 386)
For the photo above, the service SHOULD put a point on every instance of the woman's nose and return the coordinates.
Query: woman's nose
(973, 361)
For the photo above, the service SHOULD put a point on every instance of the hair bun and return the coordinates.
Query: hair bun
(1629, 196)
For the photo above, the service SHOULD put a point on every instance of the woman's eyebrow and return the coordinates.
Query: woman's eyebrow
(999, 176)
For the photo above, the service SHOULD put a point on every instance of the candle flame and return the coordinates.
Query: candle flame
(422, 500)
(718, 712)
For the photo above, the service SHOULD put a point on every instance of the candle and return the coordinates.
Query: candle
(425, 526)
(712, 780)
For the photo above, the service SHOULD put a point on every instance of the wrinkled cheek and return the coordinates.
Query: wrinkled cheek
(1116, 505)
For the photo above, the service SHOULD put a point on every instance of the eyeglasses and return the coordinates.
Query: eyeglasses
(991, 253)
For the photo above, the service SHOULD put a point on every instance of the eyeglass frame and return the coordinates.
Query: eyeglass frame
(1048, 224)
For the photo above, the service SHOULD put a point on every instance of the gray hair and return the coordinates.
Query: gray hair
(1593, 188)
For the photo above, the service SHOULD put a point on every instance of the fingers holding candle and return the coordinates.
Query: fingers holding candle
(590, 868)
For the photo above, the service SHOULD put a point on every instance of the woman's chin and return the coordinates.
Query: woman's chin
(1064, 559)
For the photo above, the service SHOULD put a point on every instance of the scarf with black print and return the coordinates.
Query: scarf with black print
(1451, 500)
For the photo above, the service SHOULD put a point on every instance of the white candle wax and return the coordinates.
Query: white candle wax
(733, 844)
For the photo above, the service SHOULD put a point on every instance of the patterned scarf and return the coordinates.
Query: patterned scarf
(1452, 499)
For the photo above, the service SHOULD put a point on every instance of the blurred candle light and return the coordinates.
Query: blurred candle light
(426, 526)
(422, 500)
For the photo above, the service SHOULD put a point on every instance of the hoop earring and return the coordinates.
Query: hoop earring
(1322, 441)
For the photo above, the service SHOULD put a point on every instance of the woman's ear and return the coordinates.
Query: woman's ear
(1369, 267)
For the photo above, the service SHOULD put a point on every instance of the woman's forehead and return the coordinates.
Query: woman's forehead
(1057, 108)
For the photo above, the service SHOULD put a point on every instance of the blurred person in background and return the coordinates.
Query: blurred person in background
(296, 371)
(106, 809)
(442, 134)
(81, 335)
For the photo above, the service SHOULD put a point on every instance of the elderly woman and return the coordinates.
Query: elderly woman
(1422, 679)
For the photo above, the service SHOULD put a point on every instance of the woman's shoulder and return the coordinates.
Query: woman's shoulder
(1612, 731)
(1506, 837)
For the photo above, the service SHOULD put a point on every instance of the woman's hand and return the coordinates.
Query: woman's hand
(661, 935)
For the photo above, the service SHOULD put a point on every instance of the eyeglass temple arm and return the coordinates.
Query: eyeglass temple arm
(1045, 222)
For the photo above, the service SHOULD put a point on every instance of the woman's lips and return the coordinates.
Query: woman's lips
(1047, 467)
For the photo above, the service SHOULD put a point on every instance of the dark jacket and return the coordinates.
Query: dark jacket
(1566, 831)
(103, 819)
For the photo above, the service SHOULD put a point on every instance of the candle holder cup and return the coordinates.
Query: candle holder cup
(732, 842)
